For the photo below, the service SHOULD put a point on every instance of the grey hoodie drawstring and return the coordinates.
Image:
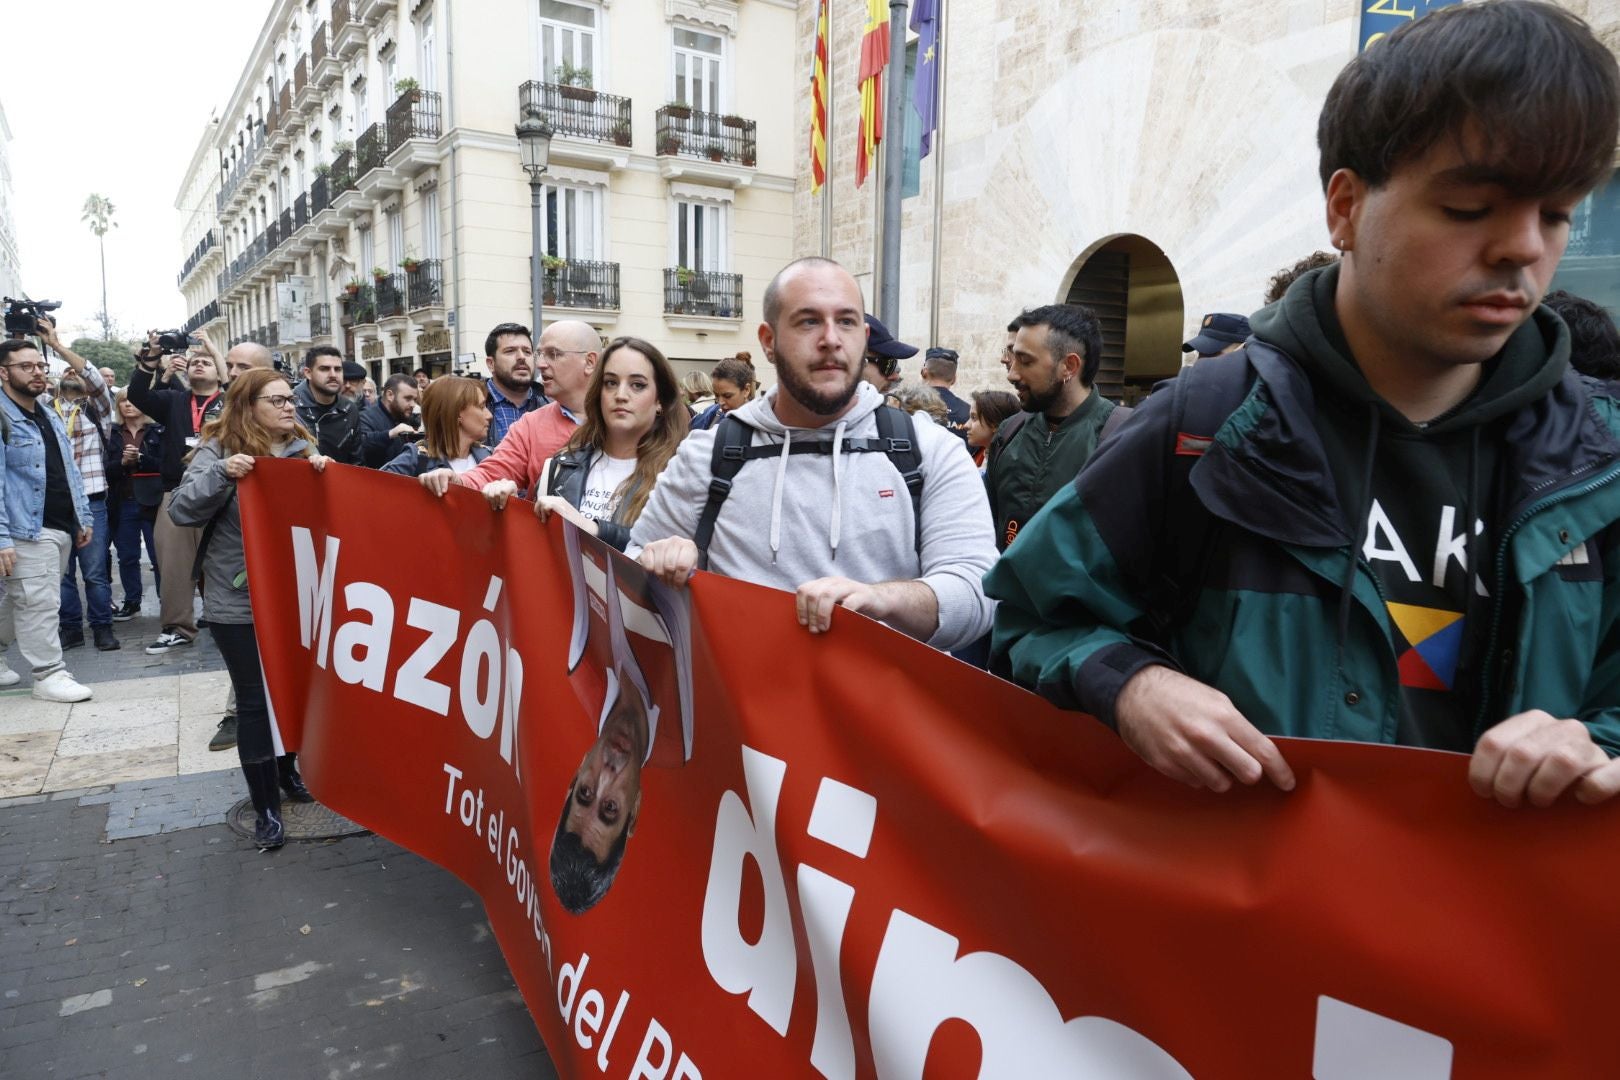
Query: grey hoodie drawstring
(776, 496)
(838, 488)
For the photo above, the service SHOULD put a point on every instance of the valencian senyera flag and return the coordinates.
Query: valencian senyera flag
(925, 89)
(874, 58)
(818, 102)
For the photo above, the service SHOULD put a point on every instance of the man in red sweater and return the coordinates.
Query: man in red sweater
(566, 357)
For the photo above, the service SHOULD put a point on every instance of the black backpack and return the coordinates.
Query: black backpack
(896, 437)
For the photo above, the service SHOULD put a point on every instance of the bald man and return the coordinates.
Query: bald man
(566, 358)
(245, 357)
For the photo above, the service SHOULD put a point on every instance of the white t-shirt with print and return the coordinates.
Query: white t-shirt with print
(607, 473)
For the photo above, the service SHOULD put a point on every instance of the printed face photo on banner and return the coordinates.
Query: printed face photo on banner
(629, 662)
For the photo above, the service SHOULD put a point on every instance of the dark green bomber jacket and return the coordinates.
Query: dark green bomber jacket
(1036, 464)
(1263, 624)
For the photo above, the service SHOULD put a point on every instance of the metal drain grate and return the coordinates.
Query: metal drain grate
(304, 821)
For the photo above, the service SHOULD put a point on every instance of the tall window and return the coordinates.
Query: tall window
(396, 236)
(362, 109)
(697, 69)
(298, 159)
(430, 224)
(390, 66)
(573, 222)
(567, 36)
(368, 252)
(700, 236)
(425, 64)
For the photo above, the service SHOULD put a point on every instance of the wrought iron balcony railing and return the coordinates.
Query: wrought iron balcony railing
(690, 133)
(301, 75)
(197, 255)
(318, 47)
(390, 293)
(424, 284)
(342, 175)
(578, 111)
(284, 227)
(414, 115)
(301, 210)
(370, 149)
(320, 196)
(583, 283)
(702, 292)
(320, 320)
(359, 307)
(341, 16)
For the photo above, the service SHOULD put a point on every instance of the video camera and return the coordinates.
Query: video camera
(22, 316)
(174, 341)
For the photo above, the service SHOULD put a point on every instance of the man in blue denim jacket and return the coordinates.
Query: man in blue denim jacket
(42, 514)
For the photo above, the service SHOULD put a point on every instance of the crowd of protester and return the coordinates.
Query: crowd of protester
(1195, 573)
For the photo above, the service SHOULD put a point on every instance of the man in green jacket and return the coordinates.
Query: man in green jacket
(1393, 516)
(1052, 364)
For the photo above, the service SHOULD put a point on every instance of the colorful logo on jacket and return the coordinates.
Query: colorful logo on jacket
(1434, 640)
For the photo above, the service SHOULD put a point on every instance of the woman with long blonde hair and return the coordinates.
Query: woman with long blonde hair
(634, 421)
(257, 421)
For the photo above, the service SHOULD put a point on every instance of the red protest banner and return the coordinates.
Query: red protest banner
(713, 845)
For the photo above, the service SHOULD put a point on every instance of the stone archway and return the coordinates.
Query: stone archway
(1130, 284)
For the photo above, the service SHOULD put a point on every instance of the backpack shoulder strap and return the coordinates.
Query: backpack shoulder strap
(1004, 435)
(731, 440)
(899, 435)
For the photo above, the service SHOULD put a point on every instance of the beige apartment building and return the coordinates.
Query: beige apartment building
(1154, 160)
(362, 187)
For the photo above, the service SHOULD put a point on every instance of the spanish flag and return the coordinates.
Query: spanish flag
(874, 58)
(818, 103)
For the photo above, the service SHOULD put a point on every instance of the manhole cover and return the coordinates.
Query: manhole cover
(304, 821)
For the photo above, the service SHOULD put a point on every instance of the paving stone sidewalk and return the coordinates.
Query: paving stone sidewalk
(184, 952)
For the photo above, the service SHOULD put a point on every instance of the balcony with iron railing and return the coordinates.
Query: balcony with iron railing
(198, 254)
(320, 194)
(301, 77)
(583, 283)
(348, 33)
(424, 284)
(285, 226)
(578, 112)
(390, 294)
(413, 128)
(320, 320)
(301, 210)
(324, 66)
(370, 150)
(705, 293)
(359, 307)
(341, 177)
(720, 139)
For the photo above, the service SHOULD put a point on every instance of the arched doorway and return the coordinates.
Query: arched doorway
(1129, 284)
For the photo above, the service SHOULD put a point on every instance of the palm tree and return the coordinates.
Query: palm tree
(98, 213)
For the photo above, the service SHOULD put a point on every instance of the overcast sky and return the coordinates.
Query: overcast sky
(110, 97)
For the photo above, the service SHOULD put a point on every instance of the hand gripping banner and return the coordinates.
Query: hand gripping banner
(711, 845)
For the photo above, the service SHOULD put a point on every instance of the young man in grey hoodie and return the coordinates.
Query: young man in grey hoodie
(837, 528)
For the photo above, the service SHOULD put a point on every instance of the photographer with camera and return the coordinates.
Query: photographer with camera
(333, 419)
(43, 514)
(388, 425)
(84, 404)
(182, 412)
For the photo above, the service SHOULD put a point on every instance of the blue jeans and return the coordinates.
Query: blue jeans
(134, 526)
(92, 560)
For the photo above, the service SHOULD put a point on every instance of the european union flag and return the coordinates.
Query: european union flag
(925, 88)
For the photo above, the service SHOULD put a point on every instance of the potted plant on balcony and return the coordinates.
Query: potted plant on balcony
(353, 287)
(342, 146)
(669, 143)
(715, 152)
(620, 133)
(323, 169)
(410, 262)
(408, 88)
(574, 82)
(733, 121)
(678, 110)
(553, 266)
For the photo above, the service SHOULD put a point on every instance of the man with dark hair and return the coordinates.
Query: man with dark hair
(387, 425)
(1282, 279)
(43, 515)
(939, 372)
(1594, 343)
(182, 411)
(509, 352)
(604, 800)
(1390, 517)
(422, 379)
(830, 498)
(1056, 352)
(323, 409)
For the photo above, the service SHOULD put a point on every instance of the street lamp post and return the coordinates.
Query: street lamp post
(534, 147)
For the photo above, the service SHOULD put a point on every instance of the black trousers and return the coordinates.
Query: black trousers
(240, 648)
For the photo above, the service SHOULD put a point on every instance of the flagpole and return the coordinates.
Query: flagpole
(894, 127)
(829, 141)
(941, 54)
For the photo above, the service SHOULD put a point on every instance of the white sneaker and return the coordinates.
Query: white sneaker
(60, 686)
(7, 676)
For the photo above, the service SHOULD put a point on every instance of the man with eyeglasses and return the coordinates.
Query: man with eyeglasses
(567, 357)
(43, 515)
(509, 352)
(182, 411)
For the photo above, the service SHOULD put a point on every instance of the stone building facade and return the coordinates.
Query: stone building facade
(1157, 159)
